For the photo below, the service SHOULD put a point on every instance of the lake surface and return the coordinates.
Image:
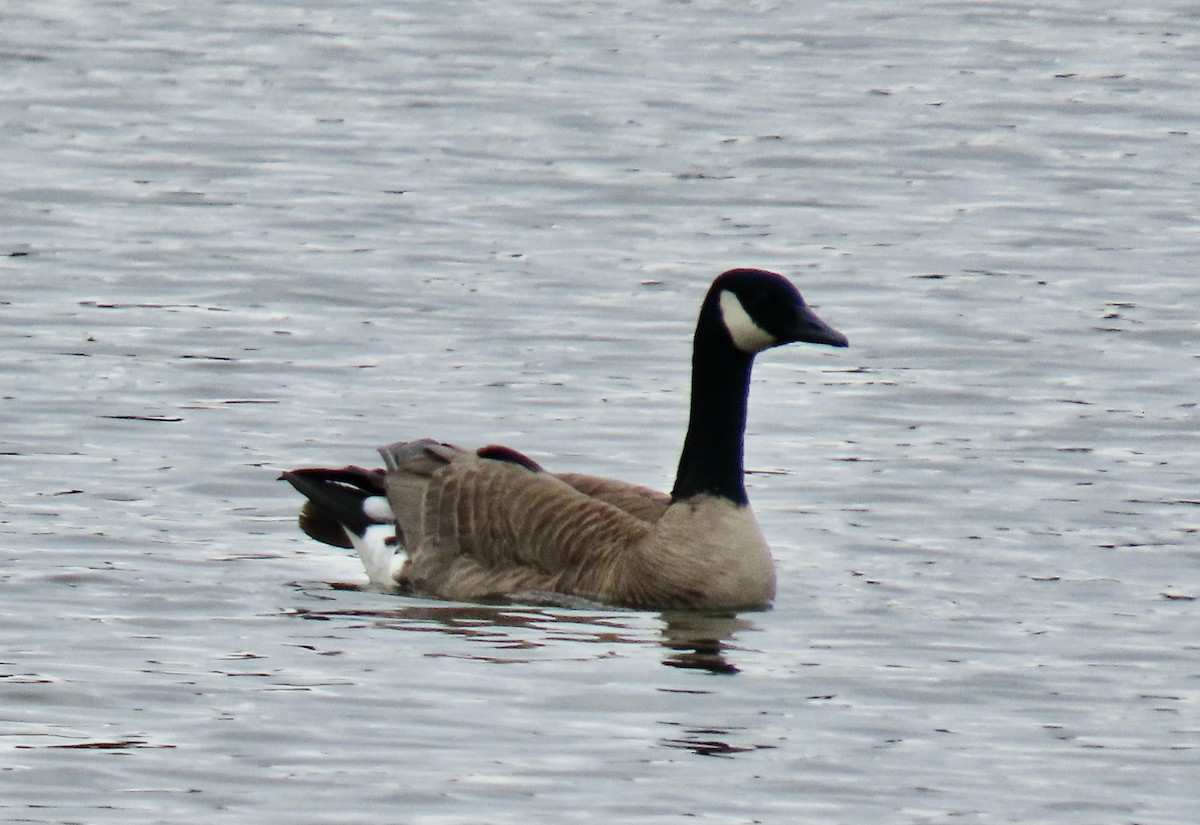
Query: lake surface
(239, 238)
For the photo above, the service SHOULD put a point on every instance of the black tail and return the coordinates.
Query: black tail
(335, 501)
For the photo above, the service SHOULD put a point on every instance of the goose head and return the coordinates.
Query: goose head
(758, 310)
(745, 312)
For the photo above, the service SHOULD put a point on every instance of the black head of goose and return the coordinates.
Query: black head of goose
(489, 524)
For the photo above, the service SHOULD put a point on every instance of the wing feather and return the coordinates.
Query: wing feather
(642, 502)
(486, 526)
(493, 527)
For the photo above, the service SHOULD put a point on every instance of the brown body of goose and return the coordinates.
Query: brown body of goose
(491, 524)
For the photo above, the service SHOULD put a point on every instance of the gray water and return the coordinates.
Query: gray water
(244, 237)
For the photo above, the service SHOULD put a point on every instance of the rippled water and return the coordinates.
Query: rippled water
(245, 237)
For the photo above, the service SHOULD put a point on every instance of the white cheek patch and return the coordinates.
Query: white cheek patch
(747, 336)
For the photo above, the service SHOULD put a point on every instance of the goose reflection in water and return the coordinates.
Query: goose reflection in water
(693, 640)
(698, 640)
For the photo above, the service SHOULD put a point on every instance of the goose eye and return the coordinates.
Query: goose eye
(759, 300)
(769, 309)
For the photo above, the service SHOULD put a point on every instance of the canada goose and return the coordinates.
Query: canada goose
(492, 524)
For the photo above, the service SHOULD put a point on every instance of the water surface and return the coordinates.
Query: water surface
(240, 238)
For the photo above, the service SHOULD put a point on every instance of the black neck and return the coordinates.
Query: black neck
(712, 451)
